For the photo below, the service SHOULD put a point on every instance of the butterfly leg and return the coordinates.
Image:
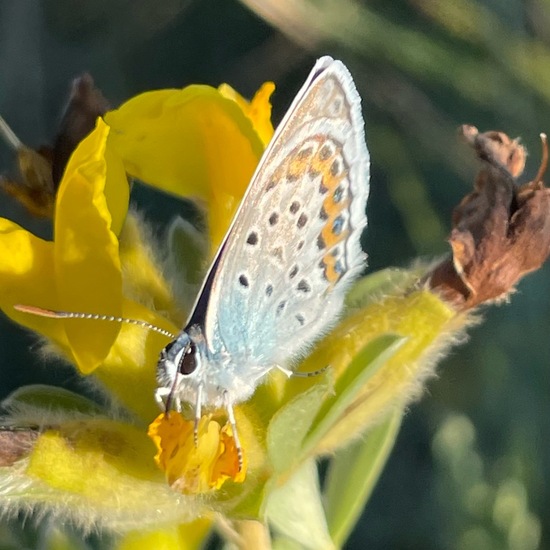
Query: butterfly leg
(231, 418)
(198, 414)
(293, 374)
(172, 395)
(160, 394)
(287, 372)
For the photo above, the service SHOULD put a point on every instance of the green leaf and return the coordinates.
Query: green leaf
(295, 510)
(245, 502)
(291, 423)
(41, 396)
(363, 366)
(353, 474)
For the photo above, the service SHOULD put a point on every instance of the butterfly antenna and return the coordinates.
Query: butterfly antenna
(52, 314)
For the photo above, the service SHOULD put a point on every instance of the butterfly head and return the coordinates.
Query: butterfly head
(179, 369)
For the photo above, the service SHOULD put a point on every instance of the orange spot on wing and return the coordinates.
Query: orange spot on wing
(299, 164)
(333, 173)
(332, 274)
(321, 159)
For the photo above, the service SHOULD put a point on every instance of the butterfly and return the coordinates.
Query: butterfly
(279, 278)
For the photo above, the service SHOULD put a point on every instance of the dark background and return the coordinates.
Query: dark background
(469, 468)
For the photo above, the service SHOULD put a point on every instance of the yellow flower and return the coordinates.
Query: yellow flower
(197, 468)
(194, 143)
(204, 144)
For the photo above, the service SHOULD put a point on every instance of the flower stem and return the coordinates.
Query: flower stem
(9, 135)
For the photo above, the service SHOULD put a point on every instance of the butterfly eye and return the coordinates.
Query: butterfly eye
(188, 361)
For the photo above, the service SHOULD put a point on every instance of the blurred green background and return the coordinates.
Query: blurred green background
(470, 466)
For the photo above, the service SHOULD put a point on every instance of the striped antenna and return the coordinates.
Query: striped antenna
(92, 316)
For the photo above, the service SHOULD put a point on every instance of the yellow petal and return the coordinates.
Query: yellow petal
(90, 208)
(189, 536)
(227, 465)
(258, 110)
(27, 277)
(192, 142)
(195, 469)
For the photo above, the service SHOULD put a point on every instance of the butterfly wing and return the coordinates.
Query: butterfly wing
(294, 246)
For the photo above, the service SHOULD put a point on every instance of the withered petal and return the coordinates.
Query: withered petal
(500, 231)
(15, 444)
(85, 104)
